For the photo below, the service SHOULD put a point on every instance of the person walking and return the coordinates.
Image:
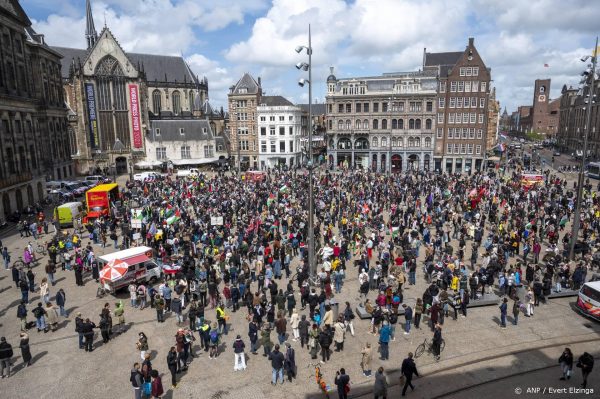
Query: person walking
(6, 354)
(253, 335)
(418, 312)
(142, 344)
(408, 315)
(325, 343)
(265, 340)
(40, 317)
(277, 360)
(348, 317)
(408, 369)
(384, 341)
(516, 309)
(339, 334)
(172, 365)
(239, 355)
(22, 315)
(303, 328)
(381, 385)
(157, 386)
(294, 323)
(503, 309)
(136, 380)
(45, 290)
(437, 341)
(586, 363)
(289, 364)
(159, 305)
(61, 299)
(280, 327)
(342, 381)
(367, 357)
(25, 350)
(566, 364)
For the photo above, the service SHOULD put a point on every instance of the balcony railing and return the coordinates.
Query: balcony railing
(15, 179)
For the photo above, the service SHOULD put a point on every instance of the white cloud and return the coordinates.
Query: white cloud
(219, 78)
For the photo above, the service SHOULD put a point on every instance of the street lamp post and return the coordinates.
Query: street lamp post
(589, 79)
(312, 266)
(390, 143)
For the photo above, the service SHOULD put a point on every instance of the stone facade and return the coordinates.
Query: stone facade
(573, 109)
(243, 99)
(462, 117)
(493, 120)
(381, 123)
(33, 115)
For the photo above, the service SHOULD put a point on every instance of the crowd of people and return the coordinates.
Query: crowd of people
(472, 236)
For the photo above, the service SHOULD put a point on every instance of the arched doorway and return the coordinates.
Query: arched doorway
(40, 190)
(19, 198)
(121, 165)
(396, 163)
(426, 161)
(30, 200)
(6, 204)
(384, 166)
(413, 162)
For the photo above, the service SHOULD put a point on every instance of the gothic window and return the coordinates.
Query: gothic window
(374, 142)
(384, 123)
(109, 66)
(375, 124)
(417, 124)
(411, 123)
(394, 124)
(428, 124)
(176, 98)
(366, 124)
(156, 101)
(400, 123)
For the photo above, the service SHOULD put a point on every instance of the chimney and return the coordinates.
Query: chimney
(259, 85)
(471, 41)
(424, 56)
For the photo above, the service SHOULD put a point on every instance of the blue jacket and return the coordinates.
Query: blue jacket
(384, 334)
(408, 313)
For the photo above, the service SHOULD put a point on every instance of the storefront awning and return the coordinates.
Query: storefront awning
(194, 161)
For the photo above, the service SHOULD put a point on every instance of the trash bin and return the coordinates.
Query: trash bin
(335, 308)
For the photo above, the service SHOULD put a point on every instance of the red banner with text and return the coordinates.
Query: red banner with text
(135, 116)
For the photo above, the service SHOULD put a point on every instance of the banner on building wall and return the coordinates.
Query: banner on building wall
(135, 116)
(93, 117)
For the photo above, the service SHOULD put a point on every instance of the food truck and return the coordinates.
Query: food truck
(140, 267)
(100, 200)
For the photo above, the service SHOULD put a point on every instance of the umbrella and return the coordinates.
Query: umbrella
(171, 269)
(113, 270)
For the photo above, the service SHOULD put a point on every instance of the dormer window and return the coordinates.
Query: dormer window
(157, 131)
(181, 131)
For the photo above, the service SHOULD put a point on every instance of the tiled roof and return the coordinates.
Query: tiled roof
(169, 130)
(317, 109)
(448, 58)
(275, 101)
(246, 82)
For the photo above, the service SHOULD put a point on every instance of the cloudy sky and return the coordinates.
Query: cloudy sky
(222, 39)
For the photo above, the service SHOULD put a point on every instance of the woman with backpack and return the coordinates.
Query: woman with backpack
(213, 343)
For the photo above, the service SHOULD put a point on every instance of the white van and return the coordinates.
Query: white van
(588, 302)
(142, 268)
(188, 173)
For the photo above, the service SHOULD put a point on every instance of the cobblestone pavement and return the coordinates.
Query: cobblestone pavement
(61, 370)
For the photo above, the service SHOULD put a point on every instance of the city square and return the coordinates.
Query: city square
(387, 233)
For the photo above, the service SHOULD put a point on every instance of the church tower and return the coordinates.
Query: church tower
(90, 30)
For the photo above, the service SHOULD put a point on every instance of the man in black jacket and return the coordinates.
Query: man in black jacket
(253, 334)
(277, 360)
(172, 364)
(325, 342)
(585, 362)
(6, 353)
(408, 369)
(342, 380)
(87, 328)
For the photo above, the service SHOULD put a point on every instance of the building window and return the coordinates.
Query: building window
(271, 130)
(384, 123)
(263, 118)
(475, 71)
(427, 142)
(439, 133)
(441, 102)
(452, 102)
(340, 108)
(415, 106)
(456, 148)
(400, 123)
(472, 117)
(483, 87)
(480, 118)
(291, 146)
(156, 101)
(282, 130)
(469, 148)
(394, 124)
(244, 145)
(442, 87)
(366, 124)
(157, 132)
(475, 86)
(467, 87)
(273, 147)
(282, 146)
(176, 98)
(186, 152)
(463, 149)
(482, 103)
(358, 107)
(375, 124)
(429, 106)
(161, 153)
(417, 124)
(451, 117)
(208, 151)
(375, 107)
(281, 118)
(459, 102)
(357, 124)
(291, 130)
(449, 149)
(384, 107)
(411, 123)
(263, 131)
(479, 133)
(375, 142)
(348, 124)
(452, 87)
(263, 147)
(472, 133)
(462, 71)
(450, 132)
(461, 86)
(478, 149)
(366, 107)
(440, 117)
(271, 118)
(348, 108)
(427, 124)
(411, 142)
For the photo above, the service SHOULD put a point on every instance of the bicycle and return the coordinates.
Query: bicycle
(319, 379)
(429, 346)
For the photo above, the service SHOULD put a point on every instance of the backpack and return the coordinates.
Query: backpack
(21, 312)
(214, 336)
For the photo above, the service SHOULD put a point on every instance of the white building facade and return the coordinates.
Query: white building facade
(279, 133)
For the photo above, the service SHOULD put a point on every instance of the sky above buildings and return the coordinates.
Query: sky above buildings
(222, 39)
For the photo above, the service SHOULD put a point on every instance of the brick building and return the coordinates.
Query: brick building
(571, 130)
(541, 117)
(462, 108)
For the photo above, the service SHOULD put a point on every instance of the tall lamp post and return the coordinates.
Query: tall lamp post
(312, 266)
(589, 80)
(389, 162)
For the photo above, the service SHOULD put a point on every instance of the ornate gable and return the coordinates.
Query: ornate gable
(107, 56)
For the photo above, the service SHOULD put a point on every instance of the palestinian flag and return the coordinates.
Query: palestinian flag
(174, 218)
(284, 189)
(271, 199)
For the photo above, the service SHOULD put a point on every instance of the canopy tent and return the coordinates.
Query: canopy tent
(148, 164)
(194, 161)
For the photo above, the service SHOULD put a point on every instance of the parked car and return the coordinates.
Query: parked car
(77, 188)
(145, 176)
(556, 153)
(98, 179)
